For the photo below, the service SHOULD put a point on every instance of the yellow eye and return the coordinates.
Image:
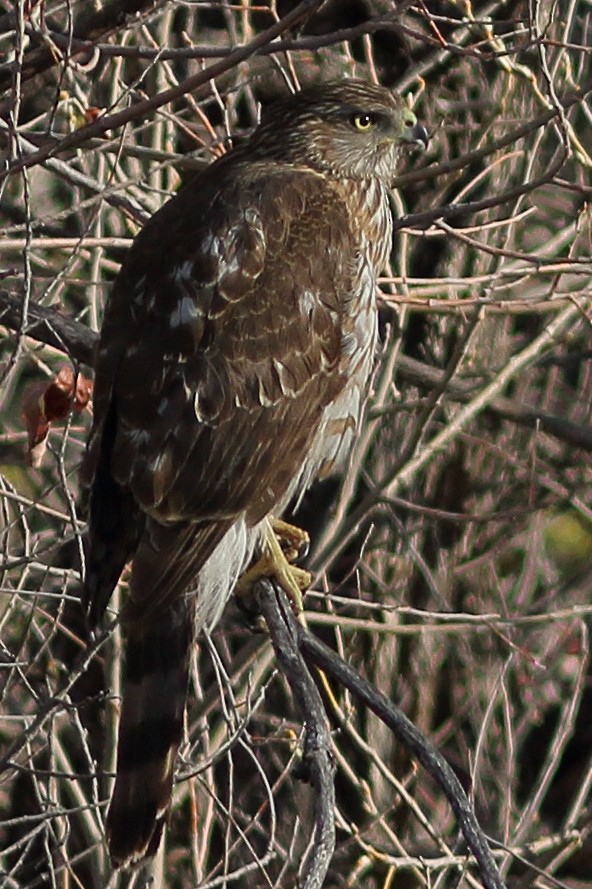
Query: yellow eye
(363, 122)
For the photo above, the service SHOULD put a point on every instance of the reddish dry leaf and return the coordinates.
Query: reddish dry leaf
(44, 403)
(91, 113)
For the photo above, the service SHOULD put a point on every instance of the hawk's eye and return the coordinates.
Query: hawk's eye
(363, 122)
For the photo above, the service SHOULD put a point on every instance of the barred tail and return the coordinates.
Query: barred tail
(150, 731)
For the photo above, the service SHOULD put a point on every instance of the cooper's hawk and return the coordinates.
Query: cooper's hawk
(231, 371)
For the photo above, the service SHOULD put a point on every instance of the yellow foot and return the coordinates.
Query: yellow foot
(275, 563)
(294, 541)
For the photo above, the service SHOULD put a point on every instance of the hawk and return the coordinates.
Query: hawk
(231, 372)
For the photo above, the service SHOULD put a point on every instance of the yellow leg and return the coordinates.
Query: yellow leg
(275, 563)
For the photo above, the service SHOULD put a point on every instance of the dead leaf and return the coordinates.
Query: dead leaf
(45, 403)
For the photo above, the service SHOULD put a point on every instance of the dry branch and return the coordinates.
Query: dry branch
(318, 654)
(318, 764)
(140, 109)
(463, 599)
(78, 342)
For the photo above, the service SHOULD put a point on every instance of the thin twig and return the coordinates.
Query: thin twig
(140, 109)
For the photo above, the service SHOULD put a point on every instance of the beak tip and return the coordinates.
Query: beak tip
(421, 137)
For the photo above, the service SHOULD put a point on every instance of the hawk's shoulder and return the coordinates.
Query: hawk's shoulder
(225, 321)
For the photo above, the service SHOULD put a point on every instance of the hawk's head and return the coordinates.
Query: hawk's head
(348, 128)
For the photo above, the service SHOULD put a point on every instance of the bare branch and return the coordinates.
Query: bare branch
(140, 109)
(315, 652)
(49, 326)
(317, 760)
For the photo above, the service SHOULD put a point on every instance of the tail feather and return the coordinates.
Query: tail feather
(150, 732)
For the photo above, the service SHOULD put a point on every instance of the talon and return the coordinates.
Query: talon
(293, 540)
(275, 563)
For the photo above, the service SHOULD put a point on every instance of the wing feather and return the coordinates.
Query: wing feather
(220, 350)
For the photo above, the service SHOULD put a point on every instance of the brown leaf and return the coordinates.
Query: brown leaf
(91, 113)
(44, 403)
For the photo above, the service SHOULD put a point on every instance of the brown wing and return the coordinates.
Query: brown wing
(219, 353)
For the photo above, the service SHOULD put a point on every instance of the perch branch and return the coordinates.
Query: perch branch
(316, 652)
(318, 759)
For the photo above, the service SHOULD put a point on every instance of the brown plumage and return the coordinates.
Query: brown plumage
(231, 371)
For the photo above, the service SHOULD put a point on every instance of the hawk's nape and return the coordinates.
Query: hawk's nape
(231, 372)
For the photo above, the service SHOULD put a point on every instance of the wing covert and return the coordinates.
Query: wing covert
(227, 359)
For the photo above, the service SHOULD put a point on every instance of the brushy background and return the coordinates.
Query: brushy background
(451, 561)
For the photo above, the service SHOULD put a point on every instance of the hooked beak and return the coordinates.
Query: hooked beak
(418, 135)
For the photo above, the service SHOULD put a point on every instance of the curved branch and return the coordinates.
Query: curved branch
(315, 652)
(420, 374)
(426, 218)
(50, 327)
(318, 760)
